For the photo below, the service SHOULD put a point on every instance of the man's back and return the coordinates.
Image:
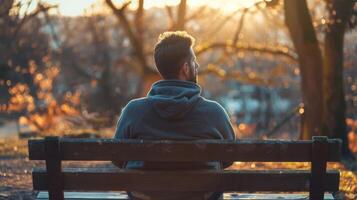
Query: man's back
(174, 110)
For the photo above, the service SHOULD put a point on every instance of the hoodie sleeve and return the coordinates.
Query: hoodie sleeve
(123, 126)
(224, 124)
(122, 132)
(225, 128)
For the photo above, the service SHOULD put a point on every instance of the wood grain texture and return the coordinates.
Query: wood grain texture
(226, 196)
(180, 151)
(84, 179)
(54, 168)
(318, 167)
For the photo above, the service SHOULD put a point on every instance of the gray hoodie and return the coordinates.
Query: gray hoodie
(174, 110)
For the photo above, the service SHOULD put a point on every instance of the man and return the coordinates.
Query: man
(174, 110)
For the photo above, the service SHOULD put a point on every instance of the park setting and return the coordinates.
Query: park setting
(178, 99)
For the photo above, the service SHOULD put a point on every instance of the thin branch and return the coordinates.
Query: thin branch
(121, 9)
(139, 20)
(254, 79)
(235, 75)
(197, 13)
(52, 29)
(40, 8)
(181, 15)
(223, 22)
(133, 38)
(229, 17)
(282, 51)
(5, 8)
(287, 118)
(240, 26)
(171, 17)
(28, 6)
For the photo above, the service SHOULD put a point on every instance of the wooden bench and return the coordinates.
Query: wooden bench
(55, 180)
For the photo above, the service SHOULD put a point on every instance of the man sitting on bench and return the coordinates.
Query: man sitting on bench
(174, 110)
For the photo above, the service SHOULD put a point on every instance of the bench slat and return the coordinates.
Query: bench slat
(84, 179)
(180, 151)
(88, 196)
(227, 196)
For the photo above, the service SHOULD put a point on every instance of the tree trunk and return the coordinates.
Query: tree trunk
(130, 33)
(181, 16)
(139, 21)
(5, 7)
(334, 97)
(299, 23)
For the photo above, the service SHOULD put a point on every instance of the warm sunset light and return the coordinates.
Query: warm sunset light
(178, 99)
(77, 7)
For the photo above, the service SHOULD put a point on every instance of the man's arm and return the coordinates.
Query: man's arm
(122, 132)
(226, 130)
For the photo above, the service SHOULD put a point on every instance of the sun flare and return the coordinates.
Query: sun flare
(78, 7)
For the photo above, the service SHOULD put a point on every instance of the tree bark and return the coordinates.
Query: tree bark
(299, 23)
(135, 32)
(181, 15)
(334, 123)
(139, 21)
(131, 34)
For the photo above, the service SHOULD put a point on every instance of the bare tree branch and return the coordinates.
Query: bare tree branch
(171, 17)
(139, 20)
(282, 51)
(235, 75)
(229, 17)
(181, 15)
(240, 26)
(198, 13)
(222, 23)
(133, 38)
(40, 8)
(251, 78)
(6, 6)
(180, 21)
(52, 29)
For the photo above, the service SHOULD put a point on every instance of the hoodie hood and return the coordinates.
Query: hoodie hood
(173, 99)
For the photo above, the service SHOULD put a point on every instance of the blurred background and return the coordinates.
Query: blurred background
(282, 70)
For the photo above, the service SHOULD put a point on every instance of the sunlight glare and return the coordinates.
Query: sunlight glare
(78, 7)
(226, 5)
(72, 8)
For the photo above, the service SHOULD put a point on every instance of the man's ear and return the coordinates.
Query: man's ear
(186, 69)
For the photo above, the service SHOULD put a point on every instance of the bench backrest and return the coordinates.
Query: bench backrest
(54, 150)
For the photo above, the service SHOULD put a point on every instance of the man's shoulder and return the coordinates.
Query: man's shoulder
(136, 105)
(138, 101)
(210, 105)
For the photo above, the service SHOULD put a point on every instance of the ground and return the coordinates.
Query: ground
(16, 183)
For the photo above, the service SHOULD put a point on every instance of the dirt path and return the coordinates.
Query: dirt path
(15, 178)
(15, 175)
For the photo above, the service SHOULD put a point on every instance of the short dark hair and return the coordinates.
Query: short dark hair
(171, 51)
